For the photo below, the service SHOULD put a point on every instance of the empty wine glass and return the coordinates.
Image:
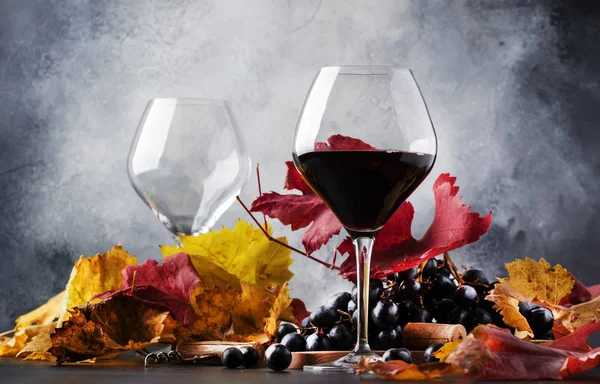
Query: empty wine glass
(364, 142)
(188, 162)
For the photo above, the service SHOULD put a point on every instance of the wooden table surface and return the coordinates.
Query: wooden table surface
(131, 370)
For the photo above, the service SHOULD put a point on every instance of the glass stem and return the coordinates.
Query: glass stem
(363, 247)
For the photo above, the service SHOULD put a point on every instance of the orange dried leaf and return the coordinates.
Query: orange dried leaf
(44, 314)
(578, 315)
(399, 370)
(443, 353)
(508, 307)
(539, 279)
(281, 303)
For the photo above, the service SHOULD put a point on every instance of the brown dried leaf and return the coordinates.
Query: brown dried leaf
(118, 324)
(399, 370)
(504, 302)
(539, 279)
(280, 304)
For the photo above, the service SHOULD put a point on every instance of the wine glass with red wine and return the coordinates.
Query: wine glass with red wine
(364, 142)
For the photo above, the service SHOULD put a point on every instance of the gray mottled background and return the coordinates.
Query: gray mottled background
(512, 86)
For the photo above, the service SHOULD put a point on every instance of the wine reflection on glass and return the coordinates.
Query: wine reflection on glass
(364, 181)
(188, 162)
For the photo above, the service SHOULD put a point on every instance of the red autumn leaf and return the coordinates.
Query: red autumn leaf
(395, 249)
(493, 353)
(168, 286)
(299, 310)
(580, 294)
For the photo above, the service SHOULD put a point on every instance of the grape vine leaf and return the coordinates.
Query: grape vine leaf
(449, 347)
(580, 293)
(44, 314)
(244, 252)
(299, 311)
(576, 316)
(94, 275)
(539, 279)
(118, 324)
(453, 226)
(400, 370)
(169, 286)
(493, 353)
(506, 302)
(300, 211)
(281, 303)
(11, 346)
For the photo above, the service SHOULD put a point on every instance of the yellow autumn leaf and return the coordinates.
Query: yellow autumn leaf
(539, 279)
(443, 353)
(578, 315)
(44, 314)
(243, 251)
(280, 305)
(97, 274)
(11, 346)
(506, 302)
(37, 348)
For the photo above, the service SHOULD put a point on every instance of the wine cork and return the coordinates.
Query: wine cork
(419, 336)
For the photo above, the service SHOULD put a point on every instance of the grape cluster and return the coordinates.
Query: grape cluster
(427, 294)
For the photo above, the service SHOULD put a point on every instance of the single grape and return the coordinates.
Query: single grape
(441, 287)
(375, 290)
(232, 358)
(388, 338)
(318, 342)
(545, 336)
(250, 356)
(478, 316)
(441, 310)
(443, 271)
(306, 323)
(476, 276)
(429, 269)
(540, 320)
(341, 338)
(428, 354)
(465, 296)
(295, 342)
(284, 329)
(421, 315)
(409, 289)
(458, 316)
(324, 316)
(411, 273)
(398, 354)
(385, 314)
(405, 310)
(278, 357)
(351, 307)
(339, 301)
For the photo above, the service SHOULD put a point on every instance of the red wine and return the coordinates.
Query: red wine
(364, 188)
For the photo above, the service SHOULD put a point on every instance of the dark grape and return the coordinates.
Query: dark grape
(458, 316)
(324, 316)
(339, 301)
(478, 316)
(284, 329)
(441, 309)
(428, 354)
(409, 289)
(545, 336)
(250, 356)
(406, 274)
(421, 315)
(398, 354)
(318, 342)
(540, 320)
(306, 323)
(476, 276)
(441, 287)
(385, 314)
(405, 309)
(465, 296)
(231, 358)
(524, 308)
(295, 342)
(387, 338)
(375, 289)
(351, 307)
(443, 272)
(429, 269)
(278, 357)
(341, 338)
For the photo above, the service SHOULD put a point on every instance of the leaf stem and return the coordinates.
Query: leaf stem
(452, 268)
(260, 189)
(271, 238)
(8, 332)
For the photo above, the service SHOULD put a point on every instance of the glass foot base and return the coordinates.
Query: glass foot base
(346, 364)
